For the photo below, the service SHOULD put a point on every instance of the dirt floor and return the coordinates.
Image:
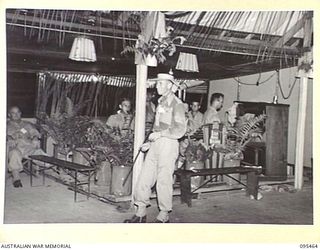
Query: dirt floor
(54, 203)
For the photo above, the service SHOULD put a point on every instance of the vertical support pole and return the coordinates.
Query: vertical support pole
(40, 87)
(238, 90)
(298, 175)
(140, 118)
(185, 95)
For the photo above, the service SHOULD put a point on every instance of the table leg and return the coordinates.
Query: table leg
(185, 187)
(31, 170)
(75, 186)
(252, 184)
(43, 175)
(256, 156)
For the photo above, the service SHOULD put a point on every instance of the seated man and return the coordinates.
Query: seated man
(195, 117)
(122, 122)
(194, 122)
(22, 141)
(211, 116)
(216, 104)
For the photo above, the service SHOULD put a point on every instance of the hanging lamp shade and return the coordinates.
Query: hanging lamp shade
(83, 50)
(187, 62)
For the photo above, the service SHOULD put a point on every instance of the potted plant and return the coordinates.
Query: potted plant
(91, 143)
(112, 154)
(118, 152)
(155, 49)
(245, 130)
(67, 132)
(195, 155)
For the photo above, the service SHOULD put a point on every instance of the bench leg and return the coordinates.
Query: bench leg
(252, 184)
(43, 176)
(31, 170)
(88, 195)
(75, 185)
(185, 187)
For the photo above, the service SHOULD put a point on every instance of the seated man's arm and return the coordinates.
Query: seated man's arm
(111, 121)
(11, 142)
(32, 130)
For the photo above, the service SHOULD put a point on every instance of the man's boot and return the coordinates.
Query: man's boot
(17, 183)
(136, 219)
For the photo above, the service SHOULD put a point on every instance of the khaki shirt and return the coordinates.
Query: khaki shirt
(122, 122)
(170, 117)
(22, 135)
(150, 112)
(210, 116)
(194, 121)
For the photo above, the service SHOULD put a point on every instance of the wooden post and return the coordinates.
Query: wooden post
(298, 176)
(304, 74)
(140, 117)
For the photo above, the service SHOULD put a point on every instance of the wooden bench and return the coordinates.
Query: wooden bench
(185, 179)
(64, 165)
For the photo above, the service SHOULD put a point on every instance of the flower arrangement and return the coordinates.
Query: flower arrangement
(71, 132)
(157, 47)
(239, 135)
(196, 152)
(117, 150)
(67, 132)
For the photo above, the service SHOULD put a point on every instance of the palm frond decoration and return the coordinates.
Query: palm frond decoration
(239, 136)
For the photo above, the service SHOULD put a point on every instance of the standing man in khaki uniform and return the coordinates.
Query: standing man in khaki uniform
(169, 126)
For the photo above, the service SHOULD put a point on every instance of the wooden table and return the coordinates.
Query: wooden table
(185, 179)
(64, 165)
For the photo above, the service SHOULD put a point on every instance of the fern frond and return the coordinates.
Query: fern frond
(249, 127)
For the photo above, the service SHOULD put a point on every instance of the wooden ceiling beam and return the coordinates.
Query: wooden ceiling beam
(295, 44)
(249, 36)
(239, 44)
(291, 32)
(68, 26)
(222, 34)
(236, 46)
(192, 29)
(307, 40)
(51, 53)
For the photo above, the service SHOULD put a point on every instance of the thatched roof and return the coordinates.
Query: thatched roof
(227, 43)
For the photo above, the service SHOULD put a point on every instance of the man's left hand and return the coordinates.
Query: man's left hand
(154, 136)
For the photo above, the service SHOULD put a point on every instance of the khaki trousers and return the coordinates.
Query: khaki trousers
(15, 157)
(158, 167)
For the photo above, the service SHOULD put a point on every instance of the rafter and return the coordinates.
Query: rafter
(291, 32)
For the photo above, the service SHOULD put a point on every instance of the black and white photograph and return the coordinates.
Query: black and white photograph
(150, 116)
